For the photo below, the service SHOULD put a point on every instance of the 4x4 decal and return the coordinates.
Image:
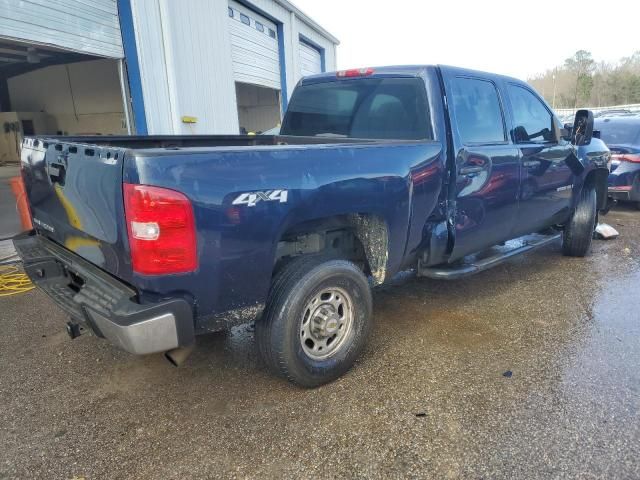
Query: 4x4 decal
(250, 199)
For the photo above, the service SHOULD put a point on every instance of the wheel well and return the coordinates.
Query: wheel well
(360, 238)
(598, 179)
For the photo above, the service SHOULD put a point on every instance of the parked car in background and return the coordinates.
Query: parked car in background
(614, 112)
(622, 135)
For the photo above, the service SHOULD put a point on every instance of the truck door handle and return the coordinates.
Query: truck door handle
(470, 170)
(531, 163)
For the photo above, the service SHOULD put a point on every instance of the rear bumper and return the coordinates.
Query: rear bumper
(103, 303)
(624, 182)
(624, 194)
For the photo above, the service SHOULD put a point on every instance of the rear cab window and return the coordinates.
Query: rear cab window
(477, 111)
(371, 108)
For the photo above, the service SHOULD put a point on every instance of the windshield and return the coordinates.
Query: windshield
(388, 108)
(616, 132)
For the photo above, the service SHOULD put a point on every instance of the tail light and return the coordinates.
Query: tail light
(355, 72)
(626, 157)
(161, 227)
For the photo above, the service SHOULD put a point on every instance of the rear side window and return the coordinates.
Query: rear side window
(389, 108)
(533, 123)
(477, 111)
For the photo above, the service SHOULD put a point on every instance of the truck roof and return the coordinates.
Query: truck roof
(405, 71)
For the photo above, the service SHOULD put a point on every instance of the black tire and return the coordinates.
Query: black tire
(578, 232)
(278, 332)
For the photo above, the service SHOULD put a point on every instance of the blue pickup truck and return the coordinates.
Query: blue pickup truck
(151, 241)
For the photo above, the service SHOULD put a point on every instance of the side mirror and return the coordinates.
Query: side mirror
(582, 131)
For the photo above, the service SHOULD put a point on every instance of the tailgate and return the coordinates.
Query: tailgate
(75, 195)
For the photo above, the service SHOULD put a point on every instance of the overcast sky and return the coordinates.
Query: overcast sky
(509, 37)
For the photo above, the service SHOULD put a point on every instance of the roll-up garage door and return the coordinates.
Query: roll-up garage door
(254, 47)
(310, 60)
(81, 26)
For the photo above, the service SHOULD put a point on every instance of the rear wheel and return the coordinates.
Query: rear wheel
(578, 232)
(317, 320)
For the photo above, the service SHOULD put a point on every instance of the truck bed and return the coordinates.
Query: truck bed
(75, 191)
(185, 141)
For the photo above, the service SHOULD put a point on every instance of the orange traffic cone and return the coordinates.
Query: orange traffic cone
(17, 185)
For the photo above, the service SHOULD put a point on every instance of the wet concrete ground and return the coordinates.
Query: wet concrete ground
(429, 399)
(9, 220)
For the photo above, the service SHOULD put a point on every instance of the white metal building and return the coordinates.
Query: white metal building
(152, 66)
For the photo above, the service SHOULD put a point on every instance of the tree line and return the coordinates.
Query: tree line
(583, 82)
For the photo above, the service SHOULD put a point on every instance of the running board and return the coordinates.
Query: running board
(475, 263)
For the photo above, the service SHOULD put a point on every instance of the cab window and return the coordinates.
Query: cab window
(477, 111)
(533, 123)
(371, 108)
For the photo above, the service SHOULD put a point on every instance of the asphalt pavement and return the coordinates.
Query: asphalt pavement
(527, 371)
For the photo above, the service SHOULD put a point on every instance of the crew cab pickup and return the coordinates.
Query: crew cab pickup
(150, 241)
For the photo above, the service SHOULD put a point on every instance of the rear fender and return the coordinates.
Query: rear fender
(370, 230)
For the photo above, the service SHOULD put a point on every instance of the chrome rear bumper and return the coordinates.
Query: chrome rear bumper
(103, 303)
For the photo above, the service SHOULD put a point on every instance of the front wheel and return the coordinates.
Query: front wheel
(317, 320)
(578, 232)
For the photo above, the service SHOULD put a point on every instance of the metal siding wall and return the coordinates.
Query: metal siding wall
(186, 66)
(129, 69)
(88, 27)
(153, 69)
(202, 68)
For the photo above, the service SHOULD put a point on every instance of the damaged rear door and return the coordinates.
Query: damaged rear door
(487, 163)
